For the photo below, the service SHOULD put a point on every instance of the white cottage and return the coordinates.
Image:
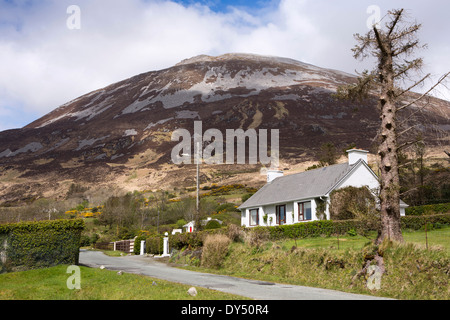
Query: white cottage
(294, 198)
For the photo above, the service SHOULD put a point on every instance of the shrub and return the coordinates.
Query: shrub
(154, 245)
(180, 223)
(235, 233)
(215, 249)
(246, 196)
(212, 224)
(186, 240)
(137, 244)
(255, 237)
(94, 238)
(227, 206)
(351, 203)
(192, 239)
(85, 241)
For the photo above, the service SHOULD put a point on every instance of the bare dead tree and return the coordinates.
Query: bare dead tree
(392, 81)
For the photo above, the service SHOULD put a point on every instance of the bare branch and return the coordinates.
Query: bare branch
(403, 145)
(398, 14)
(414, 85)
(404, 49)
(408, 32)
(411, 65)
(414, 113)
(406, 130)
(408, 191)
(423, 95)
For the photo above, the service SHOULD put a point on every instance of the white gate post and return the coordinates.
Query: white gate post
(166, 246)
(142, 247)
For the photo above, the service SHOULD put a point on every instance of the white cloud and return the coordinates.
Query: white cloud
(44, 64)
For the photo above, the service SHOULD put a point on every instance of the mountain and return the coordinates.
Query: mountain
(120, 136)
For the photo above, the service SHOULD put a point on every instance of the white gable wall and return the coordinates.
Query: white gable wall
(361, 176)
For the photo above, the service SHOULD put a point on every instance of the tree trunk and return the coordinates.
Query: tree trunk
(387, 150)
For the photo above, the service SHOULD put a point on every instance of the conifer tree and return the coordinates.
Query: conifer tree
(393, 45)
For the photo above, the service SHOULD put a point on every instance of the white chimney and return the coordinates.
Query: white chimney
(272, 174)
(355, 154)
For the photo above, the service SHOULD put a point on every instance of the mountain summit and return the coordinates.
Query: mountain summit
(121, 134)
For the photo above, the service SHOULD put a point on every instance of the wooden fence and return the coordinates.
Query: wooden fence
(123, 245)
(104, 245)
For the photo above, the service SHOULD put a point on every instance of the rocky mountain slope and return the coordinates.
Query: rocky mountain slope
(120, 135)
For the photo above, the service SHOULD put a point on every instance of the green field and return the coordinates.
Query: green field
(96, 284)
(438, 238)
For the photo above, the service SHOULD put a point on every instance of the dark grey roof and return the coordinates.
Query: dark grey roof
(303, 185)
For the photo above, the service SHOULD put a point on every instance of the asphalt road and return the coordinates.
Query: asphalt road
(253, 289)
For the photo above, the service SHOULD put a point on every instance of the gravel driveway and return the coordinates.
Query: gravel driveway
(253, 289)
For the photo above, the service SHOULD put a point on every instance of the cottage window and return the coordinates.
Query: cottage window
(304, 211)
(254, 217)
(281, 214)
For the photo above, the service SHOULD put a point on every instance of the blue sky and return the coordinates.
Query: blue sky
(225, 6)
(46, 59)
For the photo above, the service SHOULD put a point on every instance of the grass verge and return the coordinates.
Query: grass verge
(412, 272)
(96, 284)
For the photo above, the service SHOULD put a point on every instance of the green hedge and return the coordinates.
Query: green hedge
(192, 239)
(294, 231)
(329, 227)
(417, 222)
(309, 229)
(154, 244)
(30, 245)
(137, 244)
(428, 209)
